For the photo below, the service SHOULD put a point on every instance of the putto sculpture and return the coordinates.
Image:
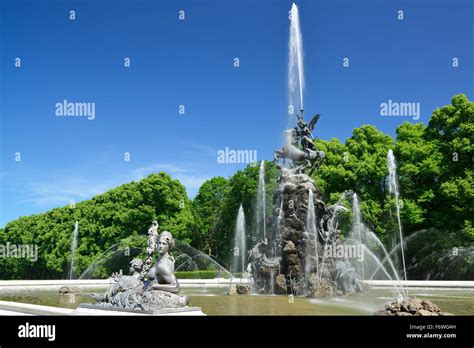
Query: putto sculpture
(147, 288)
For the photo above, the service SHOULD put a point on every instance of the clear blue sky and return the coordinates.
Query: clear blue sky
(191, 63)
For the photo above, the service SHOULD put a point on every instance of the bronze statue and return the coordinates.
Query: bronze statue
(299, 147)
(123, 292)
(151, 247)
(161, 275)
(157, 289)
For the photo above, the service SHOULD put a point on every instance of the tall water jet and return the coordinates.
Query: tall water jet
(292, 265)
(261, 204)
(357, 226)
(73, 249)
(393, 189)
(295, 62)
(240, 249)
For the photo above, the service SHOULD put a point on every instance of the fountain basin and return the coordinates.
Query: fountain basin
(89, 284)
(212, 298)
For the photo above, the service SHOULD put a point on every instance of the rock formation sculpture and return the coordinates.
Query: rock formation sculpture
(292, 260)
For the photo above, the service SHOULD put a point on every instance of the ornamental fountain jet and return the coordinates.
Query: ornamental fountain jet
(295, 61)
(332, 228)
(261, 204)
(240, 249)
(73, 249)
(371, 247)
(312, 257)
(393, 189)
(357, 226)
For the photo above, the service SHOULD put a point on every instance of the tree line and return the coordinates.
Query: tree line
(436, 180)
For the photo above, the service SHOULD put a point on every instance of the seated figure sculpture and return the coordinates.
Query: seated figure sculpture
(159, 290)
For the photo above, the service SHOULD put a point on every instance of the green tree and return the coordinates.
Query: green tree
(121, 215)
(207, 211)
(451, 128)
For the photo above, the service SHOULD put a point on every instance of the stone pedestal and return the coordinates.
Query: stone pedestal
(95, 309)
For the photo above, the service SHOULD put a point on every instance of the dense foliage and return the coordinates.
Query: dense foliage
(122, 214)
(436, 180)
(436, 177)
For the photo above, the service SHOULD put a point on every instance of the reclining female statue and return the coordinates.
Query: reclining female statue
(159, 290)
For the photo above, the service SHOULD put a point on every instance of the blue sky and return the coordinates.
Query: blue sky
(190, 63)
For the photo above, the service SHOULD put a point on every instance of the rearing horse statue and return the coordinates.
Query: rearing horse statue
(307, 155)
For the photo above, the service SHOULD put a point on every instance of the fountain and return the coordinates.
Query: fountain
(301, 251)
(357, 226)
(73, 249)
(375, 255)
(287, 260)
(240, 249)
(295, 248)
(393, 189)
(295, 61)
(332, 227)
(117, 254)
(261, 205)
(191, 259)
(312, 257)
(187, 258)
(72, 290)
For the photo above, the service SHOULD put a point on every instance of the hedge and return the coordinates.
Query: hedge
(200, 274)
